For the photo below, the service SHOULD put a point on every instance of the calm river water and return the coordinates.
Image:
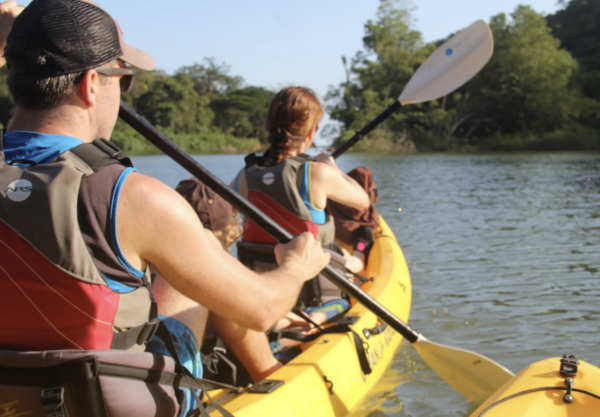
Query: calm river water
(504, 255)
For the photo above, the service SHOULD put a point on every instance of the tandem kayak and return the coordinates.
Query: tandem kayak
(557, 387)
(326, 380)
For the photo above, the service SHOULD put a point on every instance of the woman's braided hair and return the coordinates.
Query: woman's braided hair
(292, 114)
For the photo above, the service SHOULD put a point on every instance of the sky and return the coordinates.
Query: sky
(276, 43)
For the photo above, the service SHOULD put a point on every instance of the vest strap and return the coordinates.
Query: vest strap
(81, 375)
(254, 159)
(101, 153)
(336, 328)
(164, 333)
(139, 335)
(53, 401)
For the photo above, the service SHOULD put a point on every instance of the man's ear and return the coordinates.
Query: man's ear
(88, 88)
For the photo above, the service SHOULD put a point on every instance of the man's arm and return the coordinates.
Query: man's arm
(155, 224)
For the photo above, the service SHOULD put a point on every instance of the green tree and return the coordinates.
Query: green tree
(171, 103)
(396, 47)
(392, 51)
(242, 113)
(526, 85)
(211, 78)
(577, 26)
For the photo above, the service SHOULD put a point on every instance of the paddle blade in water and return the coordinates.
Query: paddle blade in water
(473, 376)
(451, 65)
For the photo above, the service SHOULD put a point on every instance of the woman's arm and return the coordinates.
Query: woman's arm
(328, 181)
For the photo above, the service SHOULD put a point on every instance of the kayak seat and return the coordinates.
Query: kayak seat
(257, 256)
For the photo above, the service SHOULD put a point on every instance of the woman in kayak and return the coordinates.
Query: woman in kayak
(291, 187)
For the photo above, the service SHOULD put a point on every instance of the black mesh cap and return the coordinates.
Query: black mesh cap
(57, 37)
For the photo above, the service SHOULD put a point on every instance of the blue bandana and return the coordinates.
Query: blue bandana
(40, 148)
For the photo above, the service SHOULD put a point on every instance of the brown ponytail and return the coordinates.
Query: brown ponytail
(292, 114)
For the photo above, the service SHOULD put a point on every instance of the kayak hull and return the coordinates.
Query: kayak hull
(325, 379)
(529, 399)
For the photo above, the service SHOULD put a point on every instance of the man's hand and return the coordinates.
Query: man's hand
(304, 254)
(325, 158)
(9, 10)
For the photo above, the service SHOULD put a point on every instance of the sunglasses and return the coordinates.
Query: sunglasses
(127, 76)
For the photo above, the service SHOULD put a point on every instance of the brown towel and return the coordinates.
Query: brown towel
(347, 219)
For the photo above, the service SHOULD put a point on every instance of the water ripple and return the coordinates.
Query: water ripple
(504, 254)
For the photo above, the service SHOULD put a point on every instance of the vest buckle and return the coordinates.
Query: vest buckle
(148, 331)
(52, 398)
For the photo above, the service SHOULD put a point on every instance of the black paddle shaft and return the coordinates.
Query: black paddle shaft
(163, 143)
(366, 129)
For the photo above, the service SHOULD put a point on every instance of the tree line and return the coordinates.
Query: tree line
(540, 90)
(201, 107)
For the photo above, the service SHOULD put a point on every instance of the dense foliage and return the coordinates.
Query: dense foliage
(577, 26)
(541, 90)
(201, 107)
(533, 94)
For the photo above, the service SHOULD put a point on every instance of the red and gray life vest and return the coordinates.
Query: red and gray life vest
(275, 191)
(52, 294)
(73, 319)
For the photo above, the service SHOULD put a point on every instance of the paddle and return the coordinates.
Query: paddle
(474, 376)
(450, 66)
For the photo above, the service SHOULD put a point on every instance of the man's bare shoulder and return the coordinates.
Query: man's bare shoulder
(150, 215)
(149, 198)
(148, 190)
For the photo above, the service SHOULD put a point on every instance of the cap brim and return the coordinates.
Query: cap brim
(137, 57)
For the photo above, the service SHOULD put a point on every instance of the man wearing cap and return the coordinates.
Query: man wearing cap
(101, 223)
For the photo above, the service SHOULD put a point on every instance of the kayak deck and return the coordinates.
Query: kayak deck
(539, 390)
(326, 379)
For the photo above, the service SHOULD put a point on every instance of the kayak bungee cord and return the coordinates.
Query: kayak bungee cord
(529, 391)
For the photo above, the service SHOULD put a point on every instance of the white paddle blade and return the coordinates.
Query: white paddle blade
(451, 65)
(473, 376)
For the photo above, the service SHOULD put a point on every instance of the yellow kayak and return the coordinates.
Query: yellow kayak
(326, 380)
(542, 390)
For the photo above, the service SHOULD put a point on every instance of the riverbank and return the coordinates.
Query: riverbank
(209, 142)
(577, 138)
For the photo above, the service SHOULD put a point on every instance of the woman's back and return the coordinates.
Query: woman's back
(287, 178)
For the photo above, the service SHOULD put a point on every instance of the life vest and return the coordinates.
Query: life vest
(52, 296)
(275, 191)
(70, 346)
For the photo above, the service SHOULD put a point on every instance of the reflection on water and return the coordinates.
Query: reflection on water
(504, 254)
